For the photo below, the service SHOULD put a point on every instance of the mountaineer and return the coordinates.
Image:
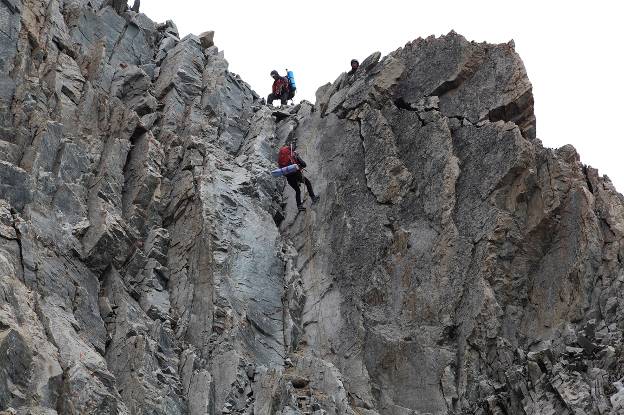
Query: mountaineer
(291, 166)
(354, 65)
(283, 87)
(350, 76)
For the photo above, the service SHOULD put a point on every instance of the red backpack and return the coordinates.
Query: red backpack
(285, 157)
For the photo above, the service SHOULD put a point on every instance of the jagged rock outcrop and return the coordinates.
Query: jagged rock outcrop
(150, 264)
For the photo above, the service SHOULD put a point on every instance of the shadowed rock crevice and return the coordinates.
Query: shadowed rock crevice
(520, 112)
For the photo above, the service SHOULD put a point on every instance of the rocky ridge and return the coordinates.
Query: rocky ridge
(150, 264)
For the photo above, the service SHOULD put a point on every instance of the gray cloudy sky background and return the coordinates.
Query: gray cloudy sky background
(573, 51)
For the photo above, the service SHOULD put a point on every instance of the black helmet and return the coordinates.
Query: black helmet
(354, 61)
(274, 72)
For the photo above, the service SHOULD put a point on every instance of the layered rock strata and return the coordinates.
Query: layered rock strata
(150, 264)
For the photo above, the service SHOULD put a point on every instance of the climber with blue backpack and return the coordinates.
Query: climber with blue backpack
(284, 87)
(291, 167)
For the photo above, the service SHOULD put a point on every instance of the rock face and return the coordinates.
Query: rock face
(150, 264)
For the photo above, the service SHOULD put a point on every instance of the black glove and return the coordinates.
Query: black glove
(301, 162)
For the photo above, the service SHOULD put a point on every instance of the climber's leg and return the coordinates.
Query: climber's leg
(272, 97)
(310, 190)
(294, 180)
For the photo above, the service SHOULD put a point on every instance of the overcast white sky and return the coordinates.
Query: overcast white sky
(573, 51)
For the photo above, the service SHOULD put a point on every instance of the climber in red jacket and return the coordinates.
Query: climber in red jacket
(281, 89)
(286, 157)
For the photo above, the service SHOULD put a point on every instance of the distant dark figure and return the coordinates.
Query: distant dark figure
(354, 65)
(350, 78)
(281, 89)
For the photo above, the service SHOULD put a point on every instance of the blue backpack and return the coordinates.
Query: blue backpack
(291, 80)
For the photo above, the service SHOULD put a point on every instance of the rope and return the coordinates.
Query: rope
(305, 188)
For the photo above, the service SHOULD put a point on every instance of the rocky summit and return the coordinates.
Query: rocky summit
(150, 264)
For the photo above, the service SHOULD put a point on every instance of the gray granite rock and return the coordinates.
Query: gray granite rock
(456, 267)
(149, 263)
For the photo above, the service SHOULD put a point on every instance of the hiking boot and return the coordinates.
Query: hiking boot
(301, 208)
(315, 199)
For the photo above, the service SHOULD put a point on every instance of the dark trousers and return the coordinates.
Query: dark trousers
(272, 97)
(294, 181)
